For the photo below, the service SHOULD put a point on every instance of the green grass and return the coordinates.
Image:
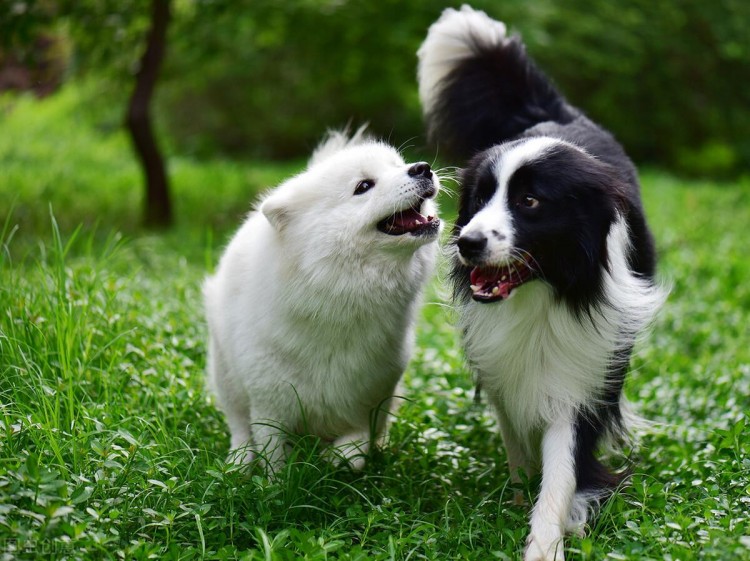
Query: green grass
(110, 448)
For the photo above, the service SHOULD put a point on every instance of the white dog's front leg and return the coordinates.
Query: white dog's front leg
(270, 440)
(240, 447)
(552, 508)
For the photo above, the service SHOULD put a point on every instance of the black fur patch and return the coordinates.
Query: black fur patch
(493, 96)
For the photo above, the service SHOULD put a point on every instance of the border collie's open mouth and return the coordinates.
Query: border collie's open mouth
(409, 221)
(496, 283)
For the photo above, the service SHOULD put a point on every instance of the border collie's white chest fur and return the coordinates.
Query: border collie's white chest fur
(535, 360)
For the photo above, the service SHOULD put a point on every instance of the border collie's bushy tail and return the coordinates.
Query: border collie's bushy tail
(478, 87)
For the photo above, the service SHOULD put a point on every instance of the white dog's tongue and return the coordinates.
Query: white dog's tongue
(405, 221)
(408, 219)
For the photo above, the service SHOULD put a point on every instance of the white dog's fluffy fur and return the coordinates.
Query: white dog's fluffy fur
(311, 311)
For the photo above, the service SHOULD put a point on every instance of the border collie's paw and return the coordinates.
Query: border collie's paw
(540, 548)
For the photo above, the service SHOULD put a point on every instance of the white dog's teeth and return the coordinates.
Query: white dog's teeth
(504, 277)
(495, 291)
(474, 287)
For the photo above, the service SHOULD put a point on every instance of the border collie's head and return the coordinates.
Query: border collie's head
(535, 209)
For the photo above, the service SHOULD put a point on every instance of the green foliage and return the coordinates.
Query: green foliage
(109, 35)
(20, 22)
(662, 75)
(264, 78)
(110, 449)
(277, 75)
(100, 185)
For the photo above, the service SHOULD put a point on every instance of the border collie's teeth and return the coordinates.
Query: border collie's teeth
(474, 287)
(504, 277)
(495, 291)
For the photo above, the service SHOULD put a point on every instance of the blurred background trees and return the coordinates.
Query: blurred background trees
(265, 79)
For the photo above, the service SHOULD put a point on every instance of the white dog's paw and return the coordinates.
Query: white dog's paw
(540, 548)
(351, 450)
(240, 456)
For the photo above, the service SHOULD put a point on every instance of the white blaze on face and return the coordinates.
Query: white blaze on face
(495, 220)
(495, 223)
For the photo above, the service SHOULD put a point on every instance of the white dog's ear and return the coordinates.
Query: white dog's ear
(277, 208)
(287, 200)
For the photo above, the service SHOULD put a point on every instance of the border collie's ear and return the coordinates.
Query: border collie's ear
(277, 208)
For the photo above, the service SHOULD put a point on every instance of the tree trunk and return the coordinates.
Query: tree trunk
(158, 207)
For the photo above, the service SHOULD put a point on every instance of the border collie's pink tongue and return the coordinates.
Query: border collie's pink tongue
(496, 283)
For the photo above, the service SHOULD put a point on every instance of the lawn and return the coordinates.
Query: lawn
(110, 448)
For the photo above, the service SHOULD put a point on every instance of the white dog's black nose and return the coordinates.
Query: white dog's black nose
(420, 169)
(472, 244)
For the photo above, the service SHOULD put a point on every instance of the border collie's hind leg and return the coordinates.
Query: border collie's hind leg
(551, 512)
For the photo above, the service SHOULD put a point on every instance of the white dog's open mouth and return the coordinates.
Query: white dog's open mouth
(409, 221)
(489, 284)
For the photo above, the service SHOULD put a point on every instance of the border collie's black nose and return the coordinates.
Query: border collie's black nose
(471, 244)
(420, 169)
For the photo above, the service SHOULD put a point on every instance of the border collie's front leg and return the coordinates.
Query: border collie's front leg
(552, 509)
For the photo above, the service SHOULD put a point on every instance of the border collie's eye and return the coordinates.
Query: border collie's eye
(364, 186)
(530, 202)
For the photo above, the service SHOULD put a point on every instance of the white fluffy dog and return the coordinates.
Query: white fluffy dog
(311, 311)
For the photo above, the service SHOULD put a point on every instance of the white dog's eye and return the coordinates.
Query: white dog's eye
(364, 186)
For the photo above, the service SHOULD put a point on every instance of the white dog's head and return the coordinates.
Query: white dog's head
(356, 196)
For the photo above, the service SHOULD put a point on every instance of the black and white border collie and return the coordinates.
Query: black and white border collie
(554, 262)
